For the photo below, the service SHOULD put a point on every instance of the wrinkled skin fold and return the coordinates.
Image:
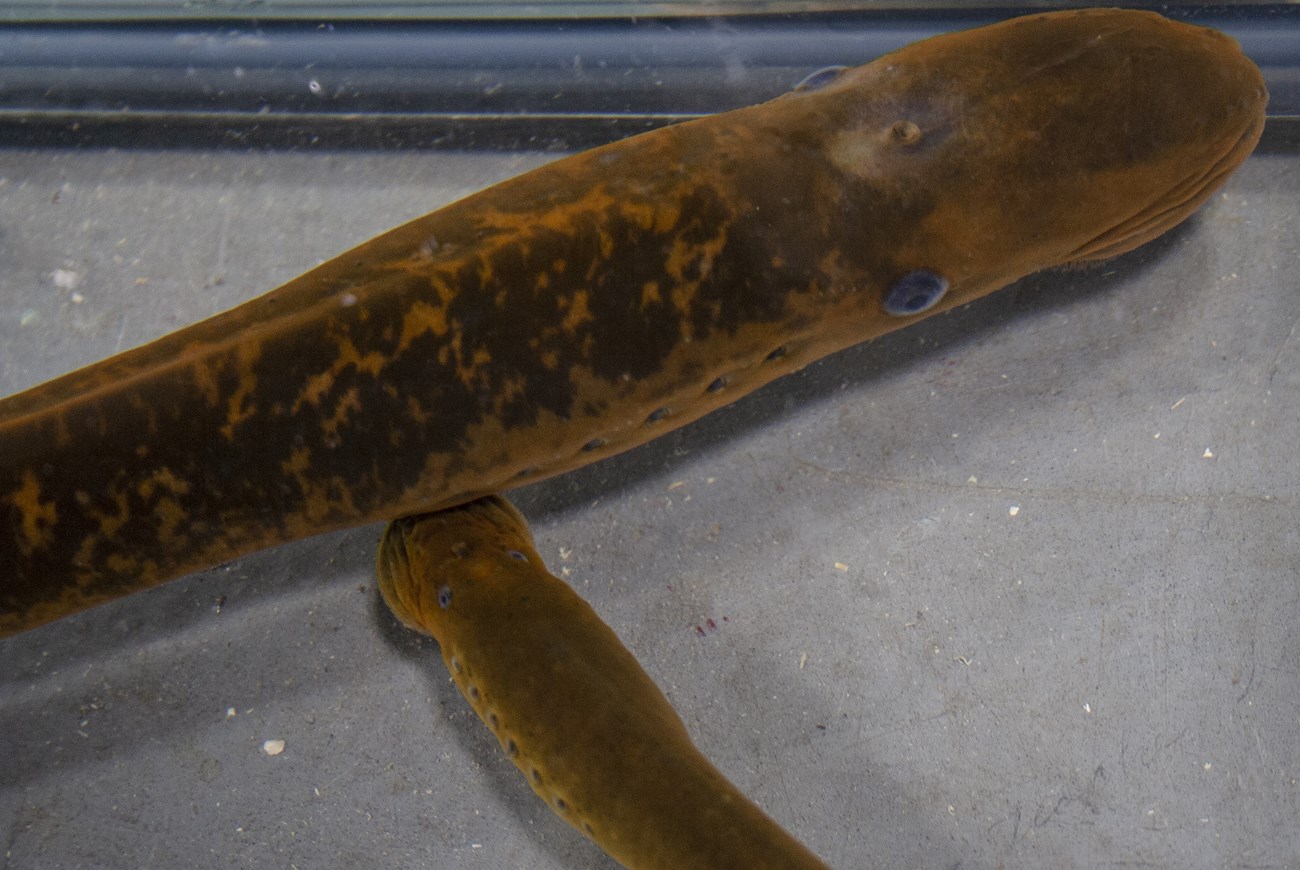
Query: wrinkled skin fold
(590, 305)
(570, 705)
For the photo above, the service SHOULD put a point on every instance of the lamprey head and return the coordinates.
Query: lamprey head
(1045, 140)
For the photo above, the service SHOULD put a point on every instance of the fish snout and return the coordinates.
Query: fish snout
(1188, 108)
(1078, 136)
(393, 573)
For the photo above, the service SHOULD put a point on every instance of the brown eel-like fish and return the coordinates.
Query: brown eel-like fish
(570, 705)
(590, 305)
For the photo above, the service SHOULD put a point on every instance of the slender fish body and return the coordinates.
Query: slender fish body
(595, 303)
(570, 705)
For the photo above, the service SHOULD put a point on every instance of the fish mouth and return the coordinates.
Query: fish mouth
(393, 573)
(1176, 204)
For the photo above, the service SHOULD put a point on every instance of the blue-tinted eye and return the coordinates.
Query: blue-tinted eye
(444, 597)
(820, 79)
(915, 292)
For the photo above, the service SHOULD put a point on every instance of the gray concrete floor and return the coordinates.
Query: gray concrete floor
(1017, 587)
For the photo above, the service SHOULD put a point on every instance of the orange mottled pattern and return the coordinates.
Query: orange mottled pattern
(595, 303)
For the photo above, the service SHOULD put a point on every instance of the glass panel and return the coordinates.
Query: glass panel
(1014, 586)
(265, 10)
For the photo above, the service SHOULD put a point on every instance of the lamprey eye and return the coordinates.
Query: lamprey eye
(444, 597)
(820, 79)
(915, 292)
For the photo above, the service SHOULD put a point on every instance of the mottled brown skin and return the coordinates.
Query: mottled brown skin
(570, 705)
(595, 303)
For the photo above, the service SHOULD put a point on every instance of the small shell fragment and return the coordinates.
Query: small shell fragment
(65, 279)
